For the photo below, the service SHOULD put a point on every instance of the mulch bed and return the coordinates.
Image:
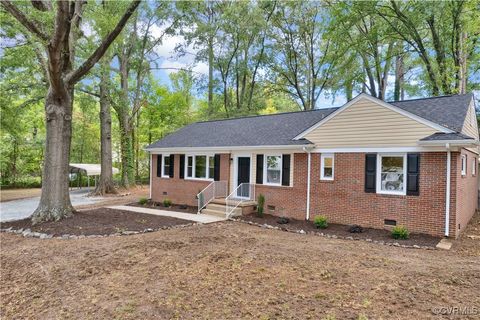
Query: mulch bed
(341, 231)
(160, 206)
(102, 221)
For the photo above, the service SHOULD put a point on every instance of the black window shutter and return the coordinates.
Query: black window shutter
(216, 167)
(259, 168)
(413, 174)
(159, 165)
(370, 172)
(172, 167)
(182, 167)
(286, 170)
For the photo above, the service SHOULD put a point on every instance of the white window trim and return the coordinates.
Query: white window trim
(265, 182)
(322, 166)
(163, 175)
(463, 165)
(207, 155)
(474, 166)
(379, 173)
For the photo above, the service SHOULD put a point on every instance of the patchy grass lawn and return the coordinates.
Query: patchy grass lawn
(15, 194)
(230, 271)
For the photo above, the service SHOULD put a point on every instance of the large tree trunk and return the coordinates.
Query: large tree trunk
(105, 184)
(210, 75)
(126, 150)
(55, 200)
(398, 92)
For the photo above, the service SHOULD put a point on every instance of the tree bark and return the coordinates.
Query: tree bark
(210, 74)
(126, 150)
(55, 199)
(105, 184)
(398, 93)
(60, 47)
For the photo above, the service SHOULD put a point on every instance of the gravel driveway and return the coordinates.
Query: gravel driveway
(23, 208)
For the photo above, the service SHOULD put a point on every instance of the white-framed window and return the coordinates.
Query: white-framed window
(391, 173)
(327, 161)
(474, 166)
(189, 167)
(199, 166)
(166, 166)
(464, 164)
(272, 173)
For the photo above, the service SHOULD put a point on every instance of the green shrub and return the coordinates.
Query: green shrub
(400, 232)
(167, 203)
(143, 201)
(261, 205)
(320, 222)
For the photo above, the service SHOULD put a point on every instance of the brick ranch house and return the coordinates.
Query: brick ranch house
(373, 163)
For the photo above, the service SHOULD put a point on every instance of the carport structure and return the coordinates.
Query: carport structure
(89, 169)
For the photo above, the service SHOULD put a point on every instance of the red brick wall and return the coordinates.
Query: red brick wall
(288, 201)
(345, 201)
(183, 191)
(466, 192)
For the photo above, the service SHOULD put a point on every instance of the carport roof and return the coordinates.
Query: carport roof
(90, 169)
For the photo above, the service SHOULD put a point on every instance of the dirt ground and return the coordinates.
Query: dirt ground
(341, 231)
(100, 221)
(231, 270)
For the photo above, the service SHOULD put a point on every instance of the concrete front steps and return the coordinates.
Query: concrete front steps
(216, 207)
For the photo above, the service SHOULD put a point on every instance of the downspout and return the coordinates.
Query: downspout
(447, 196)
(151, 170)
(308, 150)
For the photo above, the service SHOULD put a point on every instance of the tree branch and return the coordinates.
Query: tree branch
(88, 92)
(42, 5)
(28, 23)
(76, 75)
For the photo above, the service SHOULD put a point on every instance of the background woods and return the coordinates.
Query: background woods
(117, 76)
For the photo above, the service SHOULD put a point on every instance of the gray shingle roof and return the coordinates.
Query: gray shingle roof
(265, 130)
(280, 129)
(446, 136)
(447, 111)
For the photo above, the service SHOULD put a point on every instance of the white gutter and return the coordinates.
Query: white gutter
(457, 143)
(151, 170)
(447, 195)
(308, 150)
(226, 149)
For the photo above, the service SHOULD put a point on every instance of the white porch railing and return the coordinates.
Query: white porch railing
(216, 189)
(244, 192)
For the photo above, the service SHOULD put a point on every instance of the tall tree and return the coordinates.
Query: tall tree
(440, 33)
(60, 44)
(105, 184)
(302, 62)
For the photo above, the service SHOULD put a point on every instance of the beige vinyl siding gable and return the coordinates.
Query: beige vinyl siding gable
(366, 123)
(468, 128)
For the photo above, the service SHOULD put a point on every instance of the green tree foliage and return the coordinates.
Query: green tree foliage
(262, 56)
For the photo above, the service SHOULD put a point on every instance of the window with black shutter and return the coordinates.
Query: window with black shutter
(370, 172)
(286, 170)
(182, 167)
(171, 170)
(216, 168)
(259, 178)
(413, 174)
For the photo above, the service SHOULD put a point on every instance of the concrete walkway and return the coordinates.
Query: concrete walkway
(202, 218)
